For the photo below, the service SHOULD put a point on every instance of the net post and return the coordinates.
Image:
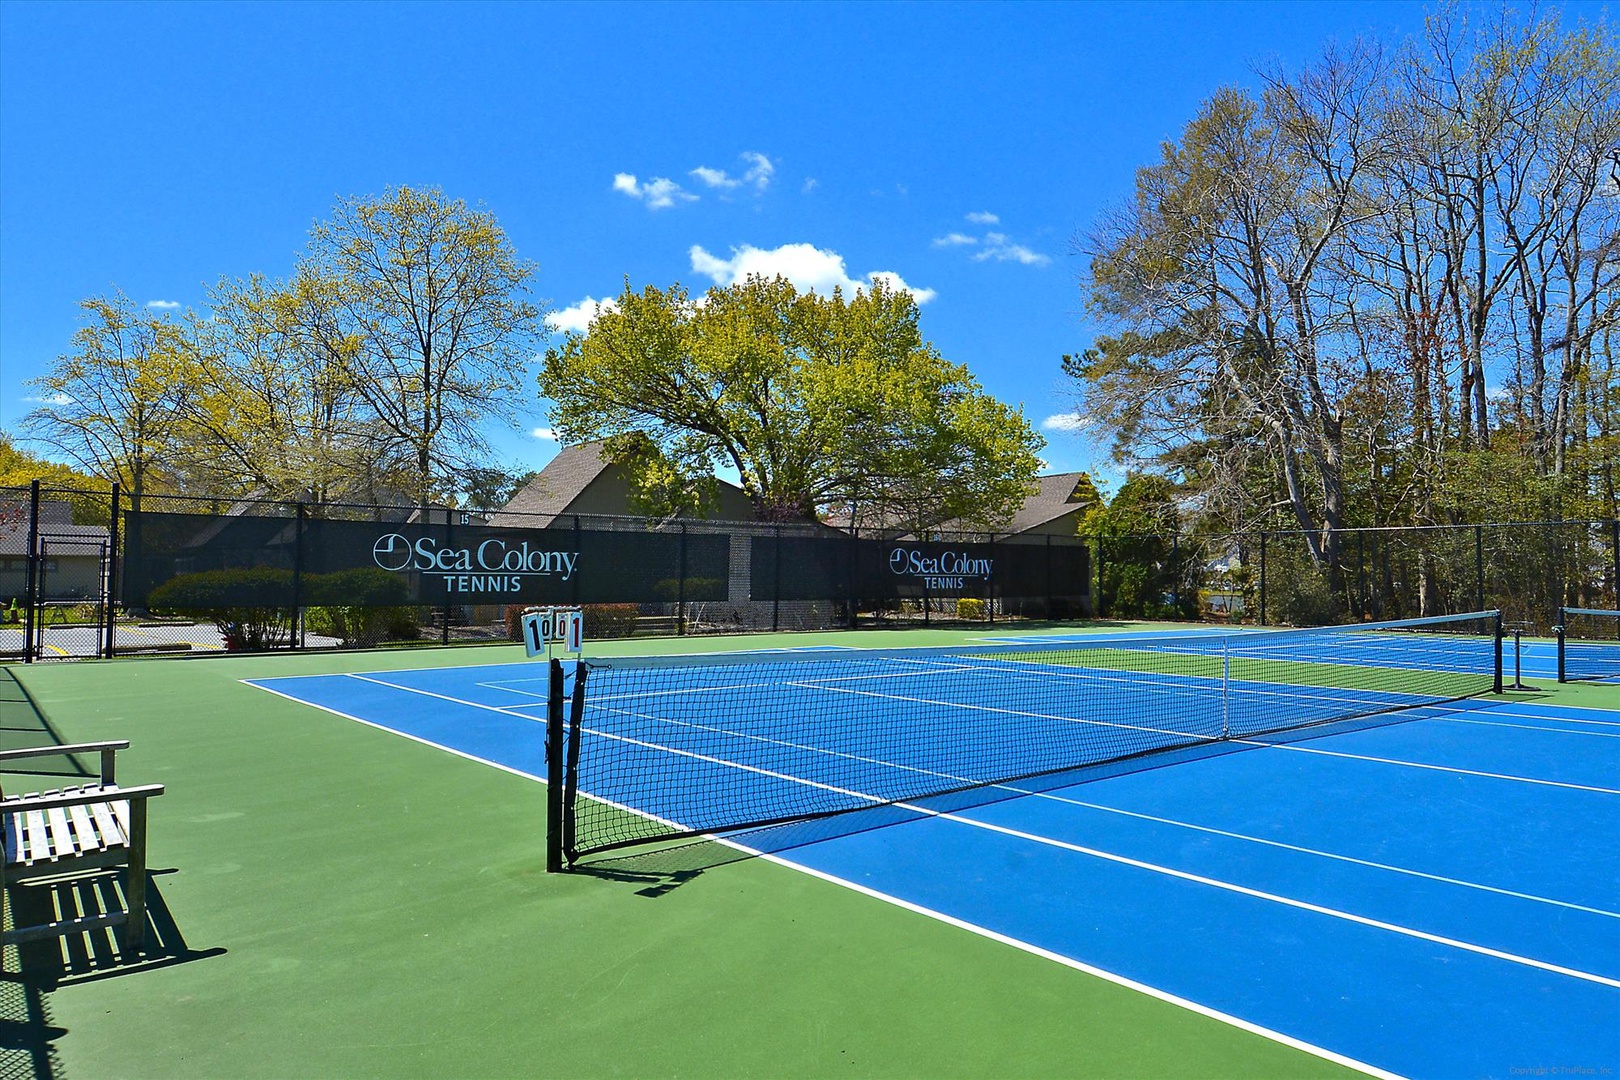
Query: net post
(1559, 630)
(554, 771)
(1226, 692)
(570, 788)
(1497, 620)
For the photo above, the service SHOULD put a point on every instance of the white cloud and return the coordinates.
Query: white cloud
(163, 305)
(715, 178)
(576, 318)
(760, 170)
(544, 433)
(999, 248)
(810, 184)
(757, 176)
(1068, 423)
(810, 268)
(54, 399)
(955, 239)
(983, 217)
(659, 193)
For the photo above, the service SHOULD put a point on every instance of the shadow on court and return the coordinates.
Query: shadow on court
(23, 723)
(28, 1035)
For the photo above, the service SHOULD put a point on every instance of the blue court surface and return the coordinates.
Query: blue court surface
(1435, 897)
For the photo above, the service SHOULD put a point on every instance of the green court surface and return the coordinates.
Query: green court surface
(334, 900)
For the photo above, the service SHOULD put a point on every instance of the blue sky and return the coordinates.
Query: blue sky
(154, 148)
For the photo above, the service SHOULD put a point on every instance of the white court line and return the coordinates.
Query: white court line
(1328, 855)
(1286, 901)
(1070, 962)
(1557, 719)
(1076, 965)
(1014, 788)
(1532, 727)
(1426, 765)
(1124, 860)
(939, 916)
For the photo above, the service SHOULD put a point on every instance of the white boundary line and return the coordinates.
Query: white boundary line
(1028, 947)
(939, 916)
(1425, 765)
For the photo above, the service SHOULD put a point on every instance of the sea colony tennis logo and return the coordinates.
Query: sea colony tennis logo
(947, 570)
(492, 566)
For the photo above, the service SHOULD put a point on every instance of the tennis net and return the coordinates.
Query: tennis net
(1588, 644)
(661, 748)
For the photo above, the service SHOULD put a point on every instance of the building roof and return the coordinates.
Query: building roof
(1055, 497)
(57, 533)
(550, 493)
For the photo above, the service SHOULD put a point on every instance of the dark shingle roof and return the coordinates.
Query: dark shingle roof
(1053, 499)
(563, 480)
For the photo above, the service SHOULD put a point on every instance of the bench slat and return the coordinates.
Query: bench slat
(35, 844)
(61, 838)
(86, 837)
(113, 827)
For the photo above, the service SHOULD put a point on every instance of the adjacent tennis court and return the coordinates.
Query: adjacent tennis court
(1345, 849)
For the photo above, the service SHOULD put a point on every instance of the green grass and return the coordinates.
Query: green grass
(353, 903)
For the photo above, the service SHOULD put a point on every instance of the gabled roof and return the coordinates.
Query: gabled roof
(563, 480)
(1054, 498)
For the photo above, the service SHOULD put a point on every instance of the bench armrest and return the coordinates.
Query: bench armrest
(57, 800)
(108, 751)
(70, 748)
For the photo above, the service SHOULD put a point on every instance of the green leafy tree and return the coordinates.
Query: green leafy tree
(86, 494)
(815, 402)
(1146, 571)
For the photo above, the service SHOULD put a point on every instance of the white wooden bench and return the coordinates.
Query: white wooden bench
(74, 830)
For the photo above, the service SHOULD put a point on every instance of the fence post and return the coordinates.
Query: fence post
(444, 632)
(31, 563)
(1262, 579)
(849, 574)
(1099, 604)
(680, 593)
(1049, 597)
(298, 576)
(1175, 572)
(992, 579)
(776, 581)
(1614, 549)
(1479, 567)
(578, 553)
(112, 571)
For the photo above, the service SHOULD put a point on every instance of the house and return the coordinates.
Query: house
(1055, 508)
(580, 480)
(73, 556)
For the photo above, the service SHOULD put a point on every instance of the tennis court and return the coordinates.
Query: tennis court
(1346, 851)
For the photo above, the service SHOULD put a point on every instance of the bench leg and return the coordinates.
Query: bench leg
(135, 878)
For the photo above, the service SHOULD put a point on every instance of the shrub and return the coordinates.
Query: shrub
(970, 608)
(250, 607)
(601, 620)
(358, 627)
(610, 620)
(361, 607)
